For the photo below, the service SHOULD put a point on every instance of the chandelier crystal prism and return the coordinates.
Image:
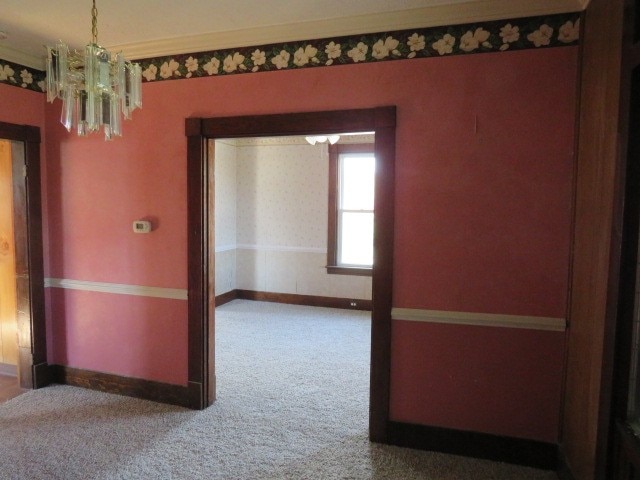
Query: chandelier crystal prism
(96, 89)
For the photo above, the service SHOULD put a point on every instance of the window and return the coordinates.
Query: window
(351, 190)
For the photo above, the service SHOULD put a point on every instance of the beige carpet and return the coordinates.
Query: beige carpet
(292, 404)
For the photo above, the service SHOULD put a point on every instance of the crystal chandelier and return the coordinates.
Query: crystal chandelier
(95, 89)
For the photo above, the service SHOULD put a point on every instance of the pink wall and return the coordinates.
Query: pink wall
(96, 191)
(482, 224)
(484, 379)
(21, 106)
(483, 218)
(92, 331)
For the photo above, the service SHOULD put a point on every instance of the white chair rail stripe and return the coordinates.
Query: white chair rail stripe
(479, 319)
(118, 288)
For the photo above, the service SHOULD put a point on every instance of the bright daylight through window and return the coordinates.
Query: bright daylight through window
(355, 209)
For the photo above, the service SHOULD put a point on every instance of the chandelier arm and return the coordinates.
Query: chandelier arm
(94, 23)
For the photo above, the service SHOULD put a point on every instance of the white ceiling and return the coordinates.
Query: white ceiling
(146, 28)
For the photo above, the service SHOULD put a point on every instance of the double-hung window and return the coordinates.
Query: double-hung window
(351, 191)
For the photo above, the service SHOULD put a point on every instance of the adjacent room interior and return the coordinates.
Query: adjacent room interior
(273, 209)
(271, 219)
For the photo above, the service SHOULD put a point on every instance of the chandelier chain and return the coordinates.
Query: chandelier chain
(94, 23)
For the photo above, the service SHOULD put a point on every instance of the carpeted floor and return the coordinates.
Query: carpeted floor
(292, 404)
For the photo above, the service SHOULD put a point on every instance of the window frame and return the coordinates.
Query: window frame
(332, 226)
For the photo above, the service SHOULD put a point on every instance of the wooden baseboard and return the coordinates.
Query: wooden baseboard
(226, 297)
(130, 387)
(517, 451)
(295, 299)
(9, 370)
(42, 375)
(564, 471)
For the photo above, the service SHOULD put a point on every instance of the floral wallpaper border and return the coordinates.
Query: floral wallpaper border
(481, 37)
(21, 76)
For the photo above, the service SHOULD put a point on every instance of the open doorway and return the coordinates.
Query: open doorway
(293, 320)
(293, 220)
(23, 351)
(201, 301)
(9, 385)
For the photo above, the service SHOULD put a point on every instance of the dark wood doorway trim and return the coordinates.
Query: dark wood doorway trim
(33, 370)
(618, 448)
(201, 303)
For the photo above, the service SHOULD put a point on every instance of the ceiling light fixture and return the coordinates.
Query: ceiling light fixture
(95, 89)
(322, 138)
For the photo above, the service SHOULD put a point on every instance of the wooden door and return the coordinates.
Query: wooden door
(8, 323)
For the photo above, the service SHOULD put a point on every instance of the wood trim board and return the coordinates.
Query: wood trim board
(8, 370)
(617, 447)
(226, 297)
(294, 299)
(128, 386)
(480, 319)
(353, 271)
(563, 470)
(594, 293)
(513, 450)
(117, 288)
(199, 321)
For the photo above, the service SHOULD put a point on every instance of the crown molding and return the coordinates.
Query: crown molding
(22, 58)
(451, 14)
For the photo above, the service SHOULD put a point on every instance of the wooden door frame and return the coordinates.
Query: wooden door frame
(33, 370)
(618, 449)
(201, 302)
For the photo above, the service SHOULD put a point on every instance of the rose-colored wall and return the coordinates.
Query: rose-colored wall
(103, 332)
(483, 379)
(484, 172)
(483, 218)
(21, 106)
